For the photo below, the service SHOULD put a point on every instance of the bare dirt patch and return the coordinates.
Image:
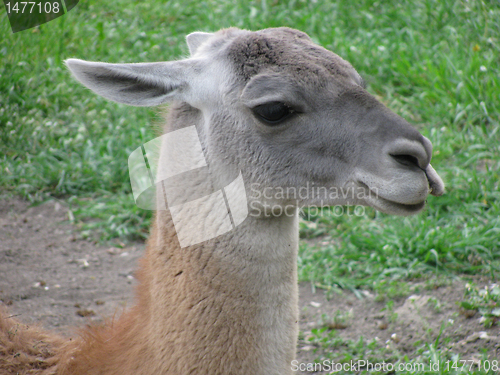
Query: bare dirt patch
(50, 276)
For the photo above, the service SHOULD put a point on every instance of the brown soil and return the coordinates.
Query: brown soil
(51, 276)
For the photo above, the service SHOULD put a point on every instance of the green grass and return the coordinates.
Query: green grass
(428, 359)
(485, 300)
(435, 62)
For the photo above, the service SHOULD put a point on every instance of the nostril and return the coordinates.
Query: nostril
(411, 153)
(407, 160)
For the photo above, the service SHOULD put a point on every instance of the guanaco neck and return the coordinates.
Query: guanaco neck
(225, 306)
(228, 305)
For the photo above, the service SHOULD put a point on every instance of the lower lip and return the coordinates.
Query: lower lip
(399, 206)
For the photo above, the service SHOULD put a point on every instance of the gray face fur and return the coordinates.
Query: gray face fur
(293, 117)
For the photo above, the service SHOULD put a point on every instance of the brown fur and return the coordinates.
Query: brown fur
(30, 350)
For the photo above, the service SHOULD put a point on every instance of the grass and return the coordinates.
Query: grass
(485, 300)
(434, 62)
(367, 357)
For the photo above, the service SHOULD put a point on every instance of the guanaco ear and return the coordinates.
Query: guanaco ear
(143, 84)
(196, 39)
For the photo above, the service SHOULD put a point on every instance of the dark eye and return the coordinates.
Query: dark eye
(273, 113)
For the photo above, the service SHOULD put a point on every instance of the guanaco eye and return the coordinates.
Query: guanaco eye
(273, 113)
